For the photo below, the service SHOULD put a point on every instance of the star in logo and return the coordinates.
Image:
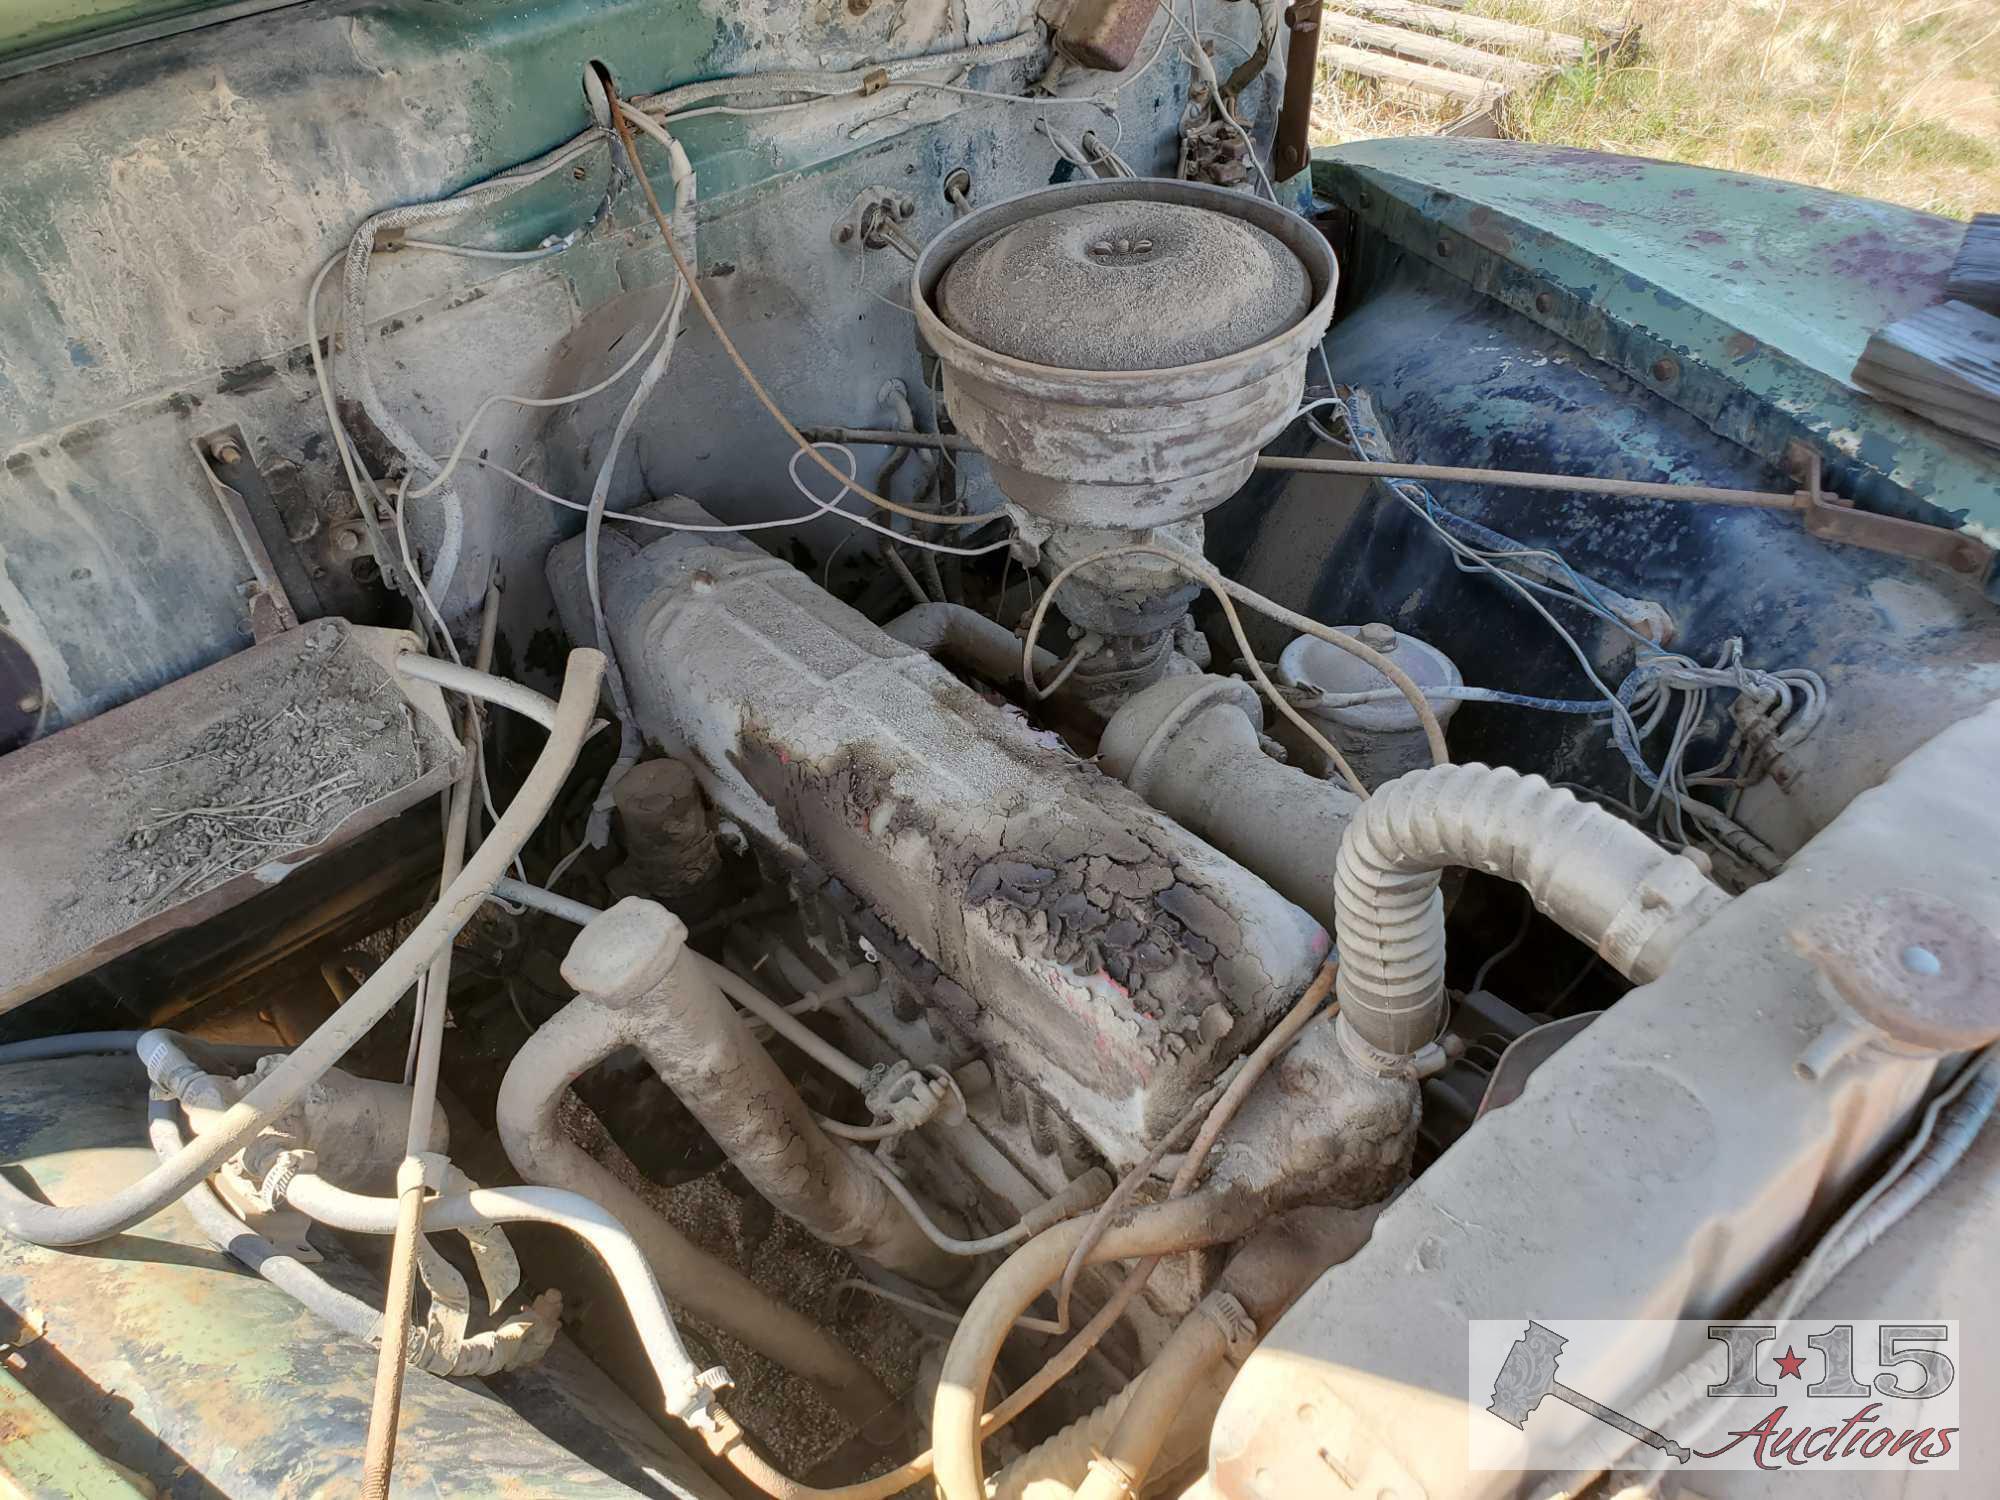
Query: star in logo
(1789, 1364)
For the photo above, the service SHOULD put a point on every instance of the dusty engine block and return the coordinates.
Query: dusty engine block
(1090, 944)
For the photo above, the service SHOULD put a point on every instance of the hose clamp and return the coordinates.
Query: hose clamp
(277, 1179)
(1370, 1058)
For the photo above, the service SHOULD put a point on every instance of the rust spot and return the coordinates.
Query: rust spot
(1596, 166)
(1891, 261)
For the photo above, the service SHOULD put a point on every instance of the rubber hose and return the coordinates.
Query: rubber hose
(1597, 877)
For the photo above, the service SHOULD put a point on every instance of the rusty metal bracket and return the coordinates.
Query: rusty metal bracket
(1833, 519)
(874, 222)
(224, 456)
(1290, 153)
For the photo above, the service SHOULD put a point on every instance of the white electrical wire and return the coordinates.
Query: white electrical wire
(475, 252)
(794, 83)
(457, 455)
(1644, 701)
(820, 508)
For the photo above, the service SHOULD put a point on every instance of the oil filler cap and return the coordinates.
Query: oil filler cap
(1125, 285)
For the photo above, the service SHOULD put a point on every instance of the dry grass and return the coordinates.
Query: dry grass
(1890, 99)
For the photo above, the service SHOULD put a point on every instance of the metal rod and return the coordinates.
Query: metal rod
(1436, 473)
(379, 1457)
(1524, 479)
(891, 437)
(579, 912)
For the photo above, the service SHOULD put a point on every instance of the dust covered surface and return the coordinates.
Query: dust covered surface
(1064, 878)
(781, 1411)
(327, 738)
(237, 771)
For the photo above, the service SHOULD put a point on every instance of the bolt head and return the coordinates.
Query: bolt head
(1666, 368)
(1378, 636)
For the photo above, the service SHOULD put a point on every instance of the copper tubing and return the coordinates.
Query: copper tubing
(727, 1442)
(1214, 1122)
(386, 1408)
(1267, 1051)
(1263, 1279)
(1190, 1223)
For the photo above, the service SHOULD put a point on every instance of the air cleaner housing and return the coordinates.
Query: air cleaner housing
(1121, 349)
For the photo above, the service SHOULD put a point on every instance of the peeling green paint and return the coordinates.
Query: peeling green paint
(42, 1459)
(211, 1368)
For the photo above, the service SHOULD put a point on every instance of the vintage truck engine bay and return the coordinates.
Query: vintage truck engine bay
(737, 741)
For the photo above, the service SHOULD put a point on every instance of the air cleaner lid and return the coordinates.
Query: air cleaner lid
(1131, 285)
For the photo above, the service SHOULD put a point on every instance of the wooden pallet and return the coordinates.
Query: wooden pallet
(1436, 49)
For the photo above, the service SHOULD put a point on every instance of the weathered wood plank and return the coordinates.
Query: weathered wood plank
(1975, 276)
(1409, 74)
(1914, 395)
(1439, 52)
(1479, 123)
(1951, 344)
(1952, 420)
(1941, 362)
(1481, 29)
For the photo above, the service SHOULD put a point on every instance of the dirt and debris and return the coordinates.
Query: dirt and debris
(170, 808)
(781, 1411)
(332, 736)
(1065, 879)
